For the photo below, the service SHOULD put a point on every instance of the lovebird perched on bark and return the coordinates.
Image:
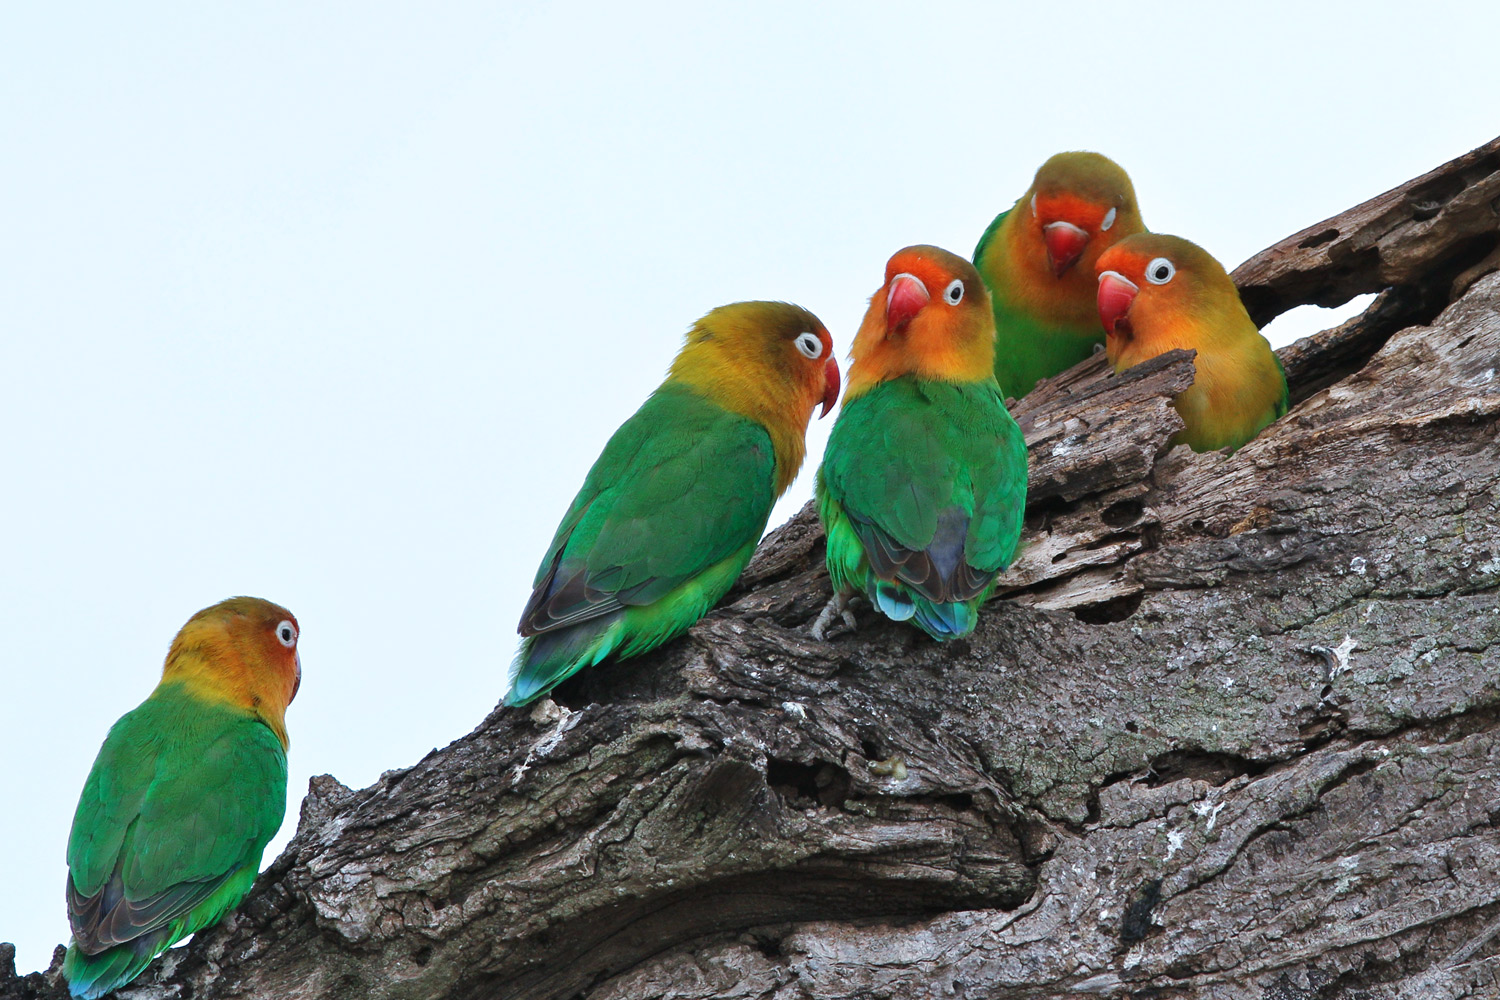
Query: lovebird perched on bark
(923, 484)
(1037, 260)
(1157, 293)
(673, 508)
(186, 791)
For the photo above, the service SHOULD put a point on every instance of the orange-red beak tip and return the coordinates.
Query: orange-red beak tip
(906, 297)
(1065, 244)
(831, 386)
(1116, 293)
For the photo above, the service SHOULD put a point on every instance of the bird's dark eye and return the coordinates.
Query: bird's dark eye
(809, 345)
(286, 633)
(1160, 271)
(954, 293)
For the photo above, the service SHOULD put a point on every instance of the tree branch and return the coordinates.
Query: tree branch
(1231, 733)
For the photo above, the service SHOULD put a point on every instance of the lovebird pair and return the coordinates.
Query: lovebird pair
(921, 490)
(1071, 268)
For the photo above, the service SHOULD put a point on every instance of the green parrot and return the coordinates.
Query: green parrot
(923, 484)
(1037, 260)
(673, 508)
(186, 792)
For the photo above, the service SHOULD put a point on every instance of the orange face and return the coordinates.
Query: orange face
(1150, 288)
(243, 650)
(1071, 230)
(1079, 204)
(931, 318)
(277, 643)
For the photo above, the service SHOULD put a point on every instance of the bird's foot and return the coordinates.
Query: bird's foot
(837, 607)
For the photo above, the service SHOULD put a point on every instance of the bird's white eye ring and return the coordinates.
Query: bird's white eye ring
(1160, 271)
(954, 293)
(1109, 220)
(286, 634)
(809, 345)
(1033, 203)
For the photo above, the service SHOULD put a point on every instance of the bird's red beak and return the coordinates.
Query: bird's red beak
(905, 298)
(1065, 243)
(1116, 293)
(831, 385)
(297, 683)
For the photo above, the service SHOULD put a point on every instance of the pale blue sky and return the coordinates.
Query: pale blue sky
(336, 306)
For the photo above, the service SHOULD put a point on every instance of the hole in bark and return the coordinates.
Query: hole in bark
(1109, 612)
(1214, 768)
(958, 801)
(1318, 239)
(1136, 924)
(1323, 728)
(1428, 200)
(820, 782)
(421, 955)
(1122, 512)
(766, 945)
(1131, 727)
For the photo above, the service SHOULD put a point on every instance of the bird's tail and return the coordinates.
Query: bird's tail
(939, 619)
(93, 976)
(545, 661)
(945, 620)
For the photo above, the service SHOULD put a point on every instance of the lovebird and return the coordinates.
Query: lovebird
(923, 484)
(186, 791)
(673, 508)
(1037, 260)
(1157, 293)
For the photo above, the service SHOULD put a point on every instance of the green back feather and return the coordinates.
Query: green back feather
(929, 477)
(169, 831)
(666, 520)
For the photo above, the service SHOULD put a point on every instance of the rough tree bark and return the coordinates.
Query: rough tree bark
(1231, 731)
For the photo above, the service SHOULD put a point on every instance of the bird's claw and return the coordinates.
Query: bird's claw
(837, 607)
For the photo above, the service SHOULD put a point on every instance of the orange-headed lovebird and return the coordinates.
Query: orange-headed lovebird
(186, 791)
(923, 483)
(1157, 293)
(1037, 260)
(673, 508)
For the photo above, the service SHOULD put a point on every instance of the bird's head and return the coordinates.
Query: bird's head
(931, 318)
(1078, 205)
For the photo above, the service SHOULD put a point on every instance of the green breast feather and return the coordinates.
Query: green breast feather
(922, 492)
(1027, 347)
(168, 834)
(665, 521)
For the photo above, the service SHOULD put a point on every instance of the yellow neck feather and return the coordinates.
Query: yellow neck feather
(212, 666)
(735, 376)
(933, 347)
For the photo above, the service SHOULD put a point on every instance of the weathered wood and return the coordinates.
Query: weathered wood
(1420, 235)
(1233, 732)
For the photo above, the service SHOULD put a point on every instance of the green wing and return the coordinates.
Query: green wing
(932, 476)
(182, 796)
(680, 486)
